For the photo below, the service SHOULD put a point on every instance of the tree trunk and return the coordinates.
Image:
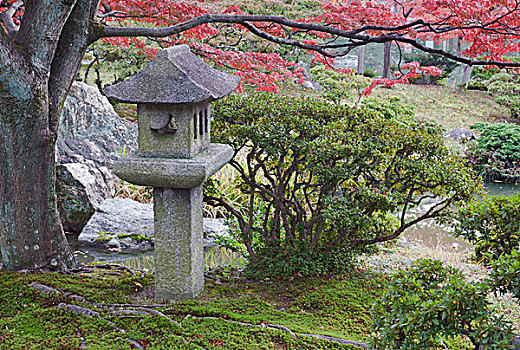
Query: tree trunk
(386, 59)
(466, 76)
(361, 61)
(31, 235)
(465, 68)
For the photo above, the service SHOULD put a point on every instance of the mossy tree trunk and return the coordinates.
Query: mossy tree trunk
(37, 66)
(31, 235)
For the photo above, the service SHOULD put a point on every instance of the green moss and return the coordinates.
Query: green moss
(104, 236)
(337, 307)
(135, 237)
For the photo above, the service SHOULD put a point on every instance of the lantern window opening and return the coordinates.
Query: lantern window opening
(195, 132)
(206, 120)
(201, 120)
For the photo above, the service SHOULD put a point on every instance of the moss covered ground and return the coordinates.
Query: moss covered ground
(338, 307)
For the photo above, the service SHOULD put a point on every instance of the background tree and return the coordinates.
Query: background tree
(43, 42)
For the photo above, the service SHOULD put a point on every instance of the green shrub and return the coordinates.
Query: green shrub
(323, 182)
(432, 303)
(338, 87)
(505, 274)
(481, 73)
(505, 88)
(296, 260)
(496, 154)
(369, 73)
(492, 225)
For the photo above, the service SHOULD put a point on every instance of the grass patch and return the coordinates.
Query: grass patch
(450, 108)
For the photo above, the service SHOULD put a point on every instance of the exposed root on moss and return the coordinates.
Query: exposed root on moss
(159, 314)
(339, 340)
(285, 329)
(151, 306)
(91, 268)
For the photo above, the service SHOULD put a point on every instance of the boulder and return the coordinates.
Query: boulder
(124, 224)
(461, 134)
(120, 223)
(91, 136)
(73, 202)
(347, 61)
(90, 127)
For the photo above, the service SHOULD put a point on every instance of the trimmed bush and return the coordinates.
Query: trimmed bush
(321, 183)
(496, 153)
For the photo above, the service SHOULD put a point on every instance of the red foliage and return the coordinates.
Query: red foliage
(411, 69)
(489, 29)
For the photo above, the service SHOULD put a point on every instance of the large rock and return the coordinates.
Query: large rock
(122, 223)
(347, 61)
(91, 136)
(73, 202)
(90, 127)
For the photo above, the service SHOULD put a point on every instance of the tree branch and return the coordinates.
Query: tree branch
(356, 36)
(70, 49)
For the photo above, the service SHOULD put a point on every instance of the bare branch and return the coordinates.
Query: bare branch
(110, 14)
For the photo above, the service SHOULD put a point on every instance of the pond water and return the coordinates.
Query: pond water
(432, 235)
(426, 233)
(213, 256)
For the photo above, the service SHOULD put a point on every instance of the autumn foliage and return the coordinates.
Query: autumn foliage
(487, 29)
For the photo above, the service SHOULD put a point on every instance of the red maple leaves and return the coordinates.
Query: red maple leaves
(487, 28)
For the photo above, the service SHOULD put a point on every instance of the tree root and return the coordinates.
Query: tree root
(91, 313)
(158, 313)
(339, 340)
(285, 329)
(89, 269)
(151, 306)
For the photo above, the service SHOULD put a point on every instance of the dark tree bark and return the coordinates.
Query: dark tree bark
(38, 70)
(386, 59)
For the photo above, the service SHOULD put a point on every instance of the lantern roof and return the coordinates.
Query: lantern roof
(175, 76)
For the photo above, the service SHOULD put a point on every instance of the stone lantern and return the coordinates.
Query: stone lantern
(173, 95)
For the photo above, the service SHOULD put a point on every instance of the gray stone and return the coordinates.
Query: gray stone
(461, 134)
(98, 182)
(173, 131)
(43, 288)
(178, 243)
(174, 173)
(347, 61)
(314, 85)
(90, 128)
(74, 203)
(214, 227)
(175, 76)
(91, 136)
(175, 157)
(125, 224)
(120, 223)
